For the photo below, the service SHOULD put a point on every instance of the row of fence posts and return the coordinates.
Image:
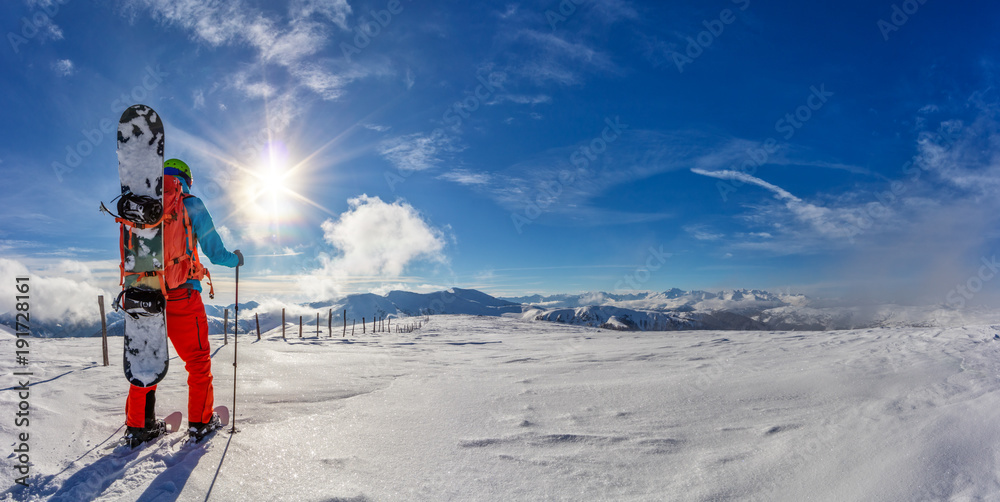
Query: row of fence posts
(379, 325)
(225, 326)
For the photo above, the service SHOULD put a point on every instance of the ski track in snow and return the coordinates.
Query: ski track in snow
(481, 408)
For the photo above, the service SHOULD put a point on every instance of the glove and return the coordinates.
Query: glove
(240, 255)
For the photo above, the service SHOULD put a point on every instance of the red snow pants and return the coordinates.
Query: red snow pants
(187, 328)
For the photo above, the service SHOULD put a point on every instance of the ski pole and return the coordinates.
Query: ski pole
(236, 344)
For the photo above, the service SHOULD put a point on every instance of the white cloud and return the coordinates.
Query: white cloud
(47, 30)
(416, 152)
(199, 99)
(334, 10)
(746, 178)
(521, 99)
(287, 43)
(828, 222)
(375, 241)
(377, 127)
(557, 60)
(63, 67)
(328, 85)
(288, 47)
(702, 233)
(465, 177)
(409, 80)
(68, 299)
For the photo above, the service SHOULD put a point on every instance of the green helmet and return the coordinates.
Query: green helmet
(177, 167)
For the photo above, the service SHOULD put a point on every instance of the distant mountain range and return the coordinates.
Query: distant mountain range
(675, 309)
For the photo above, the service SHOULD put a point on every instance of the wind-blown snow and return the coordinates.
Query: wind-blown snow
(496, 408)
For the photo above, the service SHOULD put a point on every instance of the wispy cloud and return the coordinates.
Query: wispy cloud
(564, 182)
(556, 59)
(702, 233)
(465, 177)
(416, 152)
(290, 43)
(334, 10)
(832, 223)
(521, 99)
(63, 67)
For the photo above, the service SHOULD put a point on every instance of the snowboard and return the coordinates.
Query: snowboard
(140, 170)
(173, 421)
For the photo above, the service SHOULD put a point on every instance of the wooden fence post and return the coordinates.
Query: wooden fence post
(353, 322)
(329, 323)
(363, 325)
(345, 323)
(257, 318)
(104, 329)
(283, 324)
(225, 327)
(317, 324)
(300, 326)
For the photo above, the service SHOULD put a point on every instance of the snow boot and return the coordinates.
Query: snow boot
(198, 431)
(135, 436)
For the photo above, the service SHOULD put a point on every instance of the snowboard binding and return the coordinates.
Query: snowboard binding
(138, 302)
(141, 209)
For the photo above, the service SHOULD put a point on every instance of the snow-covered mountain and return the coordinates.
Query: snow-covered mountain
(358, 307)
(738, 300)
(616, 318)
(674, 309)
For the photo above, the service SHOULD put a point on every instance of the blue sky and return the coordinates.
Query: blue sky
(520, 147)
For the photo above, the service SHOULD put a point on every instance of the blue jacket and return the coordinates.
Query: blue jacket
(206, 235)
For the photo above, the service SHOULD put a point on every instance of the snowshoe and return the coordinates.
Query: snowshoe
(198, 431)
(135, 436)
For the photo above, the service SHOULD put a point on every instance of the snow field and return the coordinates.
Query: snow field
(486, 408)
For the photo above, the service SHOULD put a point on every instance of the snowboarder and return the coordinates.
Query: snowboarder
(187, 323)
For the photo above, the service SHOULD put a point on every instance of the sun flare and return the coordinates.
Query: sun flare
(270, 187)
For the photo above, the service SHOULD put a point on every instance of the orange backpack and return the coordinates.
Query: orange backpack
(180, 250)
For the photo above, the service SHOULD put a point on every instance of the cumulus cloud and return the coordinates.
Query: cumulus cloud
(375, 241)
(66, 300)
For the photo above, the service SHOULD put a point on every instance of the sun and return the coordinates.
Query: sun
(270, 188)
